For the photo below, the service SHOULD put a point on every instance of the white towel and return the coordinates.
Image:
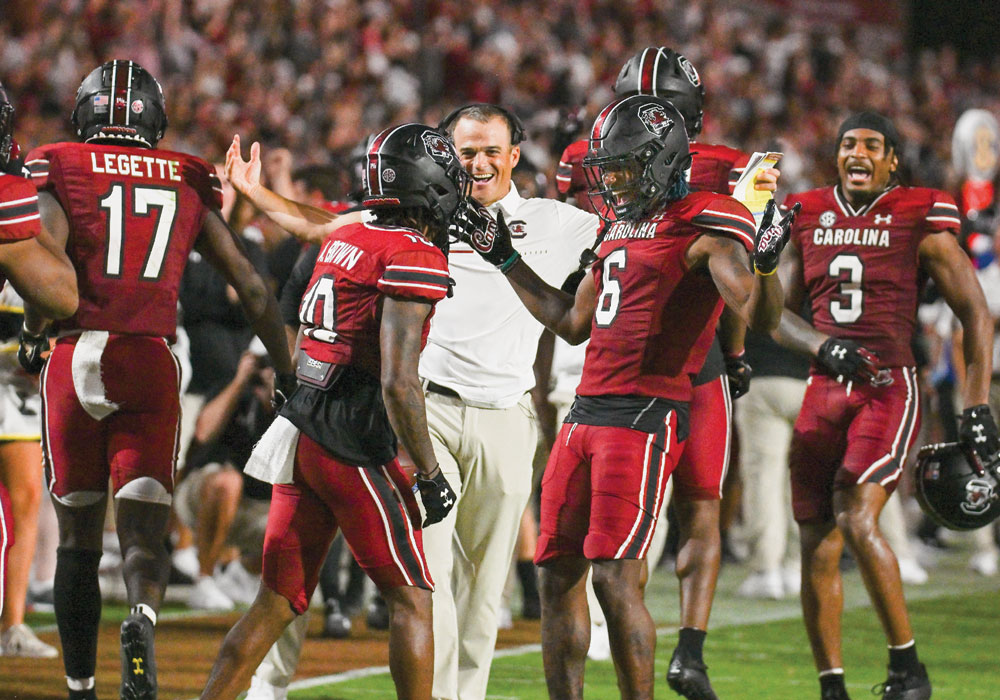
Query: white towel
(87, 379)
(273, 457)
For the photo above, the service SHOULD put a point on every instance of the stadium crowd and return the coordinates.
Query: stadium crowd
(312, 79)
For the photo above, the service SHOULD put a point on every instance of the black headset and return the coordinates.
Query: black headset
(517, 134)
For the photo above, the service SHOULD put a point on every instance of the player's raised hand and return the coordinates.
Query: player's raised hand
(490, 238)
(771, 238)
(846, 359)
(244, 175)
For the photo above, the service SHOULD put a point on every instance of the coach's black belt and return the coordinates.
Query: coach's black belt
(443, 390)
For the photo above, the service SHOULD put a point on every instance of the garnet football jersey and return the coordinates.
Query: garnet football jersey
(357, 265)
(134, 215)
(655, 319)
(860, 266)
(19, 218)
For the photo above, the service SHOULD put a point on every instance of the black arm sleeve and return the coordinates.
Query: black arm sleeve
(295, 287)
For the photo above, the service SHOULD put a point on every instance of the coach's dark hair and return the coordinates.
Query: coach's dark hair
(483, 112)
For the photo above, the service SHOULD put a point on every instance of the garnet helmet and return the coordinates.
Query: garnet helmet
(638, 152)
(953, 490)
(120, 102)
(663, 72)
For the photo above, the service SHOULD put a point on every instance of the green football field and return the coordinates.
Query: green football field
(758, 649)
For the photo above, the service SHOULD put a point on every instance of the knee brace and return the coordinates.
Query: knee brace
(145, 489)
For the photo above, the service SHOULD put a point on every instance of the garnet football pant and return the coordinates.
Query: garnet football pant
(110, 409)
(848, 434)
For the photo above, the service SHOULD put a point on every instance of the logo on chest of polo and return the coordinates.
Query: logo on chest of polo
(870, 237)
(518, 228)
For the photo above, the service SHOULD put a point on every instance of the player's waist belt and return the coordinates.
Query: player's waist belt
(436, 388)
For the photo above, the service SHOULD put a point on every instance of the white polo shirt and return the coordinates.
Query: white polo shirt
(483, 340)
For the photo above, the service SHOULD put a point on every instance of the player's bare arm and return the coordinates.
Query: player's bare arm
(567, 316)
(793, 331)
(40, 270)
(223, 249)
(756, 299)
(943, 259)
(399, 337)
(305, 222)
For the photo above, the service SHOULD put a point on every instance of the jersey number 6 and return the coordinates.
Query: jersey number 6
(611, 288)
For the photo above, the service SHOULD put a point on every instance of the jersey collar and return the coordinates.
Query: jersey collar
(846, 207)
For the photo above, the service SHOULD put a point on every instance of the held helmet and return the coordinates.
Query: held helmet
(415, 165)
(120, 102)
(663, 72)
(638, 153)
(953, 490)
(9, 150)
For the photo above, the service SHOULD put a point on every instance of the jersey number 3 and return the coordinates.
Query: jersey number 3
(847, 305)
(144, 199)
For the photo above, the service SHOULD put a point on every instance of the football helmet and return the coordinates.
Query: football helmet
(120, 102)
(953, 490)
(638, 153)
(663, 72)
(9, 150)
(415, 165)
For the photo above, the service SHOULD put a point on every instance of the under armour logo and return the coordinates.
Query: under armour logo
(445, 500)
(839, 352)
(138, 666)
(887, 219)
(980, 436)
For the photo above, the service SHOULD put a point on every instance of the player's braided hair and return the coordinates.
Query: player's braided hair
(417, 218)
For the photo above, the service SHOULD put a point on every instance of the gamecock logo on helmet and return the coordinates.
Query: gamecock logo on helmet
(655, 119)
(689, 70)
(437, 147)
(978, 497)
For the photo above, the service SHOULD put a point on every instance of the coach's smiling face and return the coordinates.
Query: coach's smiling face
(487, 154)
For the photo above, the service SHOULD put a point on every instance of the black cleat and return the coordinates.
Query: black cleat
(138, 664)
(837, 693)
(689, 679)
(901, 685)
(336, 625)
(90, 694)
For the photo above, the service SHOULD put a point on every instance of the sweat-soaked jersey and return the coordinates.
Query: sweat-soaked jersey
(19, 218)
(134, 215)
(860, 266)
(655, 319)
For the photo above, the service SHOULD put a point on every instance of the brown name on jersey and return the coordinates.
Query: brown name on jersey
(341, 253)
(873, 237)
(136, 165)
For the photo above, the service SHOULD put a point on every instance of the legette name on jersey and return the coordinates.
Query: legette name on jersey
(341, 253)
(136, 165)
(872, 237)
(631, 229)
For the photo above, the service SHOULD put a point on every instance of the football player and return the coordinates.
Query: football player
(331, 453)
(702, 468)
(128, 215)
(668, 262)
(858, 253)
(39, 271)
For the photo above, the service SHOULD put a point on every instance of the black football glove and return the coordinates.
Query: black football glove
(738, 372)
(436, 495)
(846, 359)
(977, 431)
(30, 349)
(488, 237)
(771, 238)
(284, 385)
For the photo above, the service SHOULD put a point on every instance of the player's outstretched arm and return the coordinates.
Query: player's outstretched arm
(223, 249)
(568, 316)
(400, 338)
(943, 259)
(306, 222)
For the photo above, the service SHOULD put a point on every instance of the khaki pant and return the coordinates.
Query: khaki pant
(765, 417)
(486, 455)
